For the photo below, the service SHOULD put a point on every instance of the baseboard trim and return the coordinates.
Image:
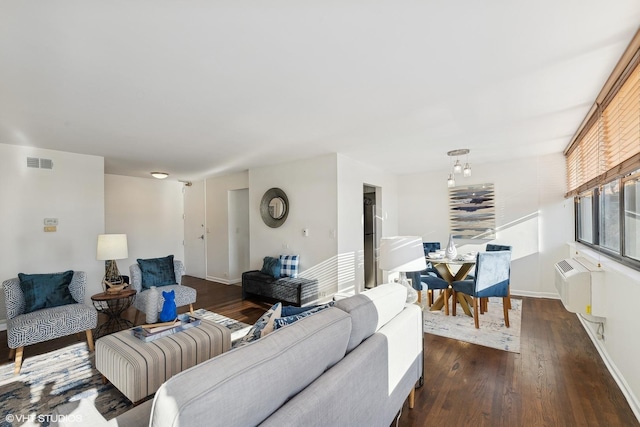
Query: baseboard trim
(550, 295)
(224, 281)
(617, 376)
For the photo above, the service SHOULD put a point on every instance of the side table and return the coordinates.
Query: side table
(113, 304)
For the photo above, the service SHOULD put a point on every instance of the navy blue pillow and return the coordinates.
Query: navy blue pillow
(287, 320)
(290, 310)
(271, 266)
(46, 290)
(157, 272)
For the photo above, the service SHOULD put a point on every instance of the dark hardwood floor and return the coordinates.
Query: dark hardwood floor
(558, 379)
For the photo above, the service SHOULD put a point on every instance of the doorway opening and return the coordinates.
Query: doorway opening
(372, 227)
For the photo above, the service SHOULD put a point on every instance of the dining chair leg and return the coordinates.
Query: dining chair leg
(481, 302)
(453, 302)
(506, 311)
(509, 297)
(476, 318)
(419, 298)
(446, 302)
(12, 353)
(430, 297)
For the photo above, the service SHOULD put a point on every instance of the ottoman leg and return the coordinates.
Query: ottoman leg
(191, 308)
(12, 352)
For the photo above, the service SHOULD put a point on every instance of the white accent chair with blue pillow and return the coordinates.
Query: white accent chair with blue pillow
(41, 307)
(166, 275)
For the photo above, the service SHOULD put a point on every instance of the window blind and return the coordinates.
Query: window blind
(609, 144)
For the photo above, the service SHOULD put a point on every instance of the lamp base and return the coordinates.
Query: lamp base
(412, 294)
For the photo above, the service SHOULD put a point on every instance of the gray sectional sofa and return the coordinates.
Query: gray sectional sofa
(353, 364)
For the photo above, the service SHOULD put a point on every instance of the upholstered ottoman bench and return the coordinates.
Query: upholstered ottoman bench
(138, 368)
(298, 291)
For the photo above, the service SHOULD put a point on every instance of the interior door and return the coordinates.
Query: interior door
(195, 250)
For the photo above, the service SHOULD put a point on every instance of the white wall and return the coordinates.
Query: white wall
(72, 192)
(352, 175)
(531, 215)
(311, 187)
(149, 212)
(218, 255)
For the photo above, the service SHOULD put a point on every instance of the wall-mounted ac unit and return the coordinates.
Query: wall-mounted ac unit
(580, 284)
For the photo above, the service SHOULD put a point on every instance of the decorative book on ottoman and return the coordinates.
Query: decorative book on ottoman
(152, 332)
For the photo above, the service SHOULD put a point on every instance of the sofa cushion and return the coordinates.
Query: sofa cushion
(46, 290)
(265, 375)
(372, 309)
(157, 272)
(289, 266)
(271, 266)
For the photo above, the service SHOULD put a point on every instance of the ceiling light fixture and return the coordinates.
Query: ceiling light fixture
(159, 175)
(457, 166)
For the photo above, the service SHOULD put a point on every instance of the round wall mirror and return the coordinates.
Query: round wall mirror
(274, 207)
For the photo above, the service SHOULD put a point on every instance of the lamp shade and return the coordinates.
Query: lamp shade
(112, 246)
(401, 253)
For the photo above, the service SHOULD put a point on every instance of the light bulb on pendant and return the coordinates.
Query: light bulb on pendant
(451, 182)
(457, 167)
(467, 170)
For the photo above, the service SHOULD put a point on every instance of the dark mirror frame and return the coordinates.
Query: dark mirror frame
(270, 194)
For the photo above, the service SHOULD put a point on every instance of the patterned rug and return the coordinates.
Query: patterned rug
(65, 375)
(492, 332)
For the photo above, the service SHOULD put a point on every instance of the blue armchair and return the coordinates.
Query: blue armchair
(491, 280)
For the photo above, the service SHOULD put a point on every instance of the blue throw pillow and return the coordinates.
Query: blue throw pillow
(157, 272)
(46, 290)
(284, 321)
(271, 266)
(289, 265)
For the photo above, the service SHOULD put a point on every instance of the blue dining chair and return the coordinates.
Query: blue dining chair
(422, 280)
(492, 247)
(491, 280)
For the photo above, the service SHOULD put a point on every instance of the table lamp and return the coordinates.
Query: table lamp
(402, 254)
(110, 248)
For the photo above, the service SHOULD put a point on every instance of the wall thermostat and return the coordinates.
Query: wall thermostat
(50, 221)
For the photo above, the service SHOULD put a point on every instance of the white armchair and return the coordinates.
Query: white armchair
(184, 294)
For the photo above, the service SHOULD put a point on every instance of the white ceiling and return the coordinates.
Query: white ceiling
(206, 87)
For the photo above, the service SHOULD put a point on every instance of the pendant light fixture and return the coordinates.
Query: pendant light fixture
(457, 166)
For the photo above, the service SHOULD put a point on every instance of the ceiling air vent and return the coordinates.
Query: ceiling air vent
(34, 162)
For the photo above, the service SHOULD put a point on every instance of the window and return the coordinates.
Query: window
(632, 218)
(603, 161)
(585, 217)
(610, 216)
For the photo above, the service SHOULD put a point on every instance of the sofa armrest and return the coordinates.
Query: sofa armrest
(14, 298)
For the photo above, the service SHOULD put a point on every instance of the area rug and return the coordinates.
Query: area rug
(492, 332)
(65, 375)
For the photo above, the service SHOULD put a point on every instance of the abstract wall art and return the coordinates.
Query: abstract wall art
(473, 211)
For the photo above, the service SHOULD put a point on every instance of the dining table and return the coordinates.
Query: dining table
(448, 271)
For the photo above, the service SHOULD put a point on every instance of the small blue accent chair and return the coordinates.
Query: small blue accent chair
(491, 280)
(424, 280)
